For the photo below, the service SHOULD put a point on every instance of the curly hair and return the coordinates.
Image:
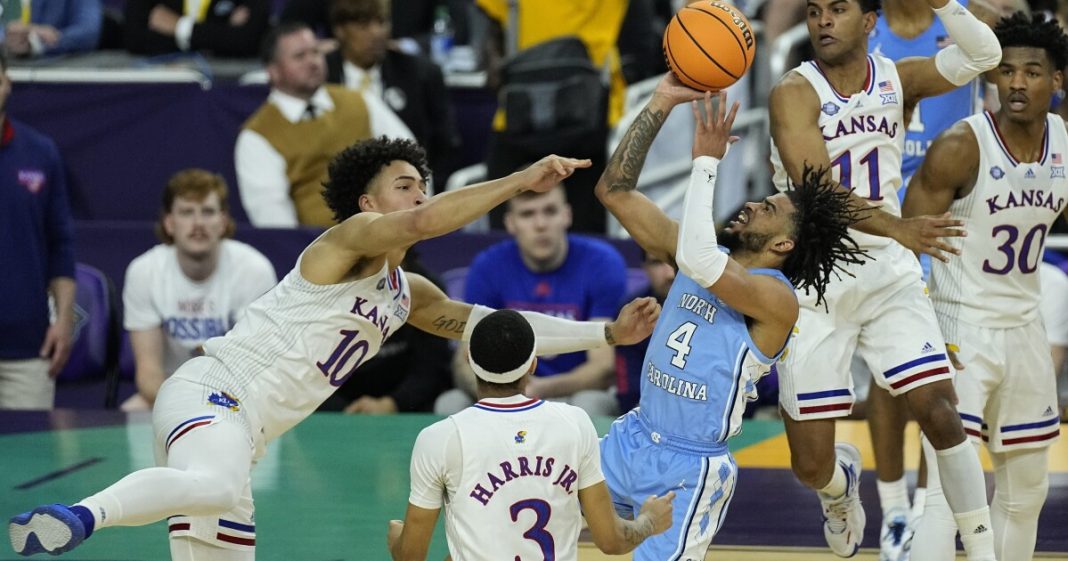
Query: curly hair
(822, 244)
(1019, 30)
(351, 171)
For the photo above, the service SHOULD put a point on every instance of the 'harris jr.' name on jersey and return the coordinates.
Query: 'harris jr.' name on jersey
(540, 466)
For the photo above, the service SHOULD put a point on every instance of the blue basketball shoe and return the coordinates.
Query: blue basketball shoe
(843, 517)
(51, 529)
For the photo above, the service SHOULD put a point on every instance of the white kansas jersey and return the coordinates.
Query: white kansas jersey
(865, 135)
(301, 341)
(508, 471)
(994, 283)
(158, 295)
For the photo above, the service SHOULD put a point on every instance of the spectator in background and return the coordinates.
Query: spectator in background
(409, 372)
(412, 21)
(35, 240)
(283, 150)
(190, 288)
(523, 130)
(412, 86)
(52, 27)
(547, 270)
(225, 28)
(630, 359)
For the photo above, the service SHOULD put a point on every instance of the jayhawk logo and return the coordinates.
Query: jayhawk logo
(223, 399)
(521, 437)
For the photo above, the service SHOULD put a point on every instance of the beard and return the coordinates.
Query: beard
(743, 242)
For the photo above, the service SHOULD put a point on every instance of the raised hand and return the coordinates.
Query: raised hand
(673, 92)
(634, 323)
(713, 131)
(924, 234)
(549, 171)
(658, 510)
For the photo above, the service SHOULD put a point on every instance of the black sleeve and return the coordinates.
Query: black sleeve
(215, 34)
(140, 40)
(429, 373)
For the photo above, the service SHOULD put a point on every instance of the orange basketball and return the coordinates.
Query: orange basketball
(709, 45)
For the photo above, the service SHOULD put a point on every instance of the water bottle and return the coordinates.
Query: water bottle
(441, 38)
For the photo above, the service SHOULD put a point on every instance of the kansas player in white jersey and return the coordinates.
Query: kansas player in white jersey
(907, 28)
(512, 472)
(846, 109)
(727, 317)
(1003, 172)
(298, 343)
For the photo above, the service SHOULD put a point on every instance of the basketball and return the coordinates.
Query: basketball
(709, 45)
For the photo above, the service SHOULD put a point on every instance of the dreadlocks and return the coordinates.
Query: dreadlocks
(821, 226)
(1018, 30)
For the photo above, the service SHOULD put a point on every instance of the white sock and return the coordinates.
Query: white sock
(919, 500)
(838, 485)
(893, 495)
(964, 486)
(105, 508)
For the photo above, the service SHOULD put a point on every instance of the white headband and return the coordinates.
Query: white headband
(502, 377)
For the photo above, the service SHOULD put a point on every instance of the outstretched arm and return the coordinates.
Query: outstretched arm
(614, 535)
(433, 312)
(975, 50)
(794, 110)
(617, 188)
(369, 235)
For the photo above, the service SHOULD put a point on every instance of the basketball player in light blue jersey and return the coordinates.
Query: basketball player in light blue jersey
(726, 319)
(908, 28)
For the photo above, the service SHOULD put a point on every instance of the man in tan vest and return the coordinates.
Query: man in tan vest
(283, 150)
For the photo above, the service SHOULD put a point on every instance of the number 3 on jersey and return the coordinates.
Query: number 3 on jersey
(679, 341)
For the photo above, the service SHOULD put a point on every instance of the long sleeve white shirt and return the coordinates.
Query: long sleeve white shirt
(261, 170)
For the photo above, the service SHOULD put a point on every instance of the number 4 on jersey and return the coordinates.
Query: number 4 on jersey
(679, 341)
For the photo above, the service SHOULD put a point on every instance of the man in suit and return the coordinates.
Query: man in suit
(227, 28)
(412, 86)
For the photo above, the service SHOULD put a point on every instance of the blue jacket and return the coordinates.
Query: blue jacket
(77, 20)
(35, 236)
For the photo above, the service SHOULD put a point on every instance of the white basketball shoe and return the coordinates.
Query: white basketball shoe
(895, 536)
(843, 517)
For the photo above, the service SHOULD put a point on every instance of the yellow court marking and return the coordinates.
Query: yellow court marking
(775, 452)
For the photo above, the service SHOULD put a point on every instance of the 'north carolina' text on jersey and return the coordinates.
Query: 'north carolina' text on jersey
(701, 367)
(994, 283)
(300, 341)
(864, 133)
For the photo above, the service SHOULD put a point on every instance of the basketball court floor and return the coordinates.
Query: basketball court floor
(325, 491)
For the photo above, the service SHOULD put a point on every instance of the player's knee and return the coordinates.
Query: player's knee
(812, 470)
(1024, 502)
(217, 493)
(937, 417)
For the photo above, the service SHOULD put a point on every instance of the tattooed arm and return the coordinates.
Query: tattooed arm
(617, 189)
(614, 535)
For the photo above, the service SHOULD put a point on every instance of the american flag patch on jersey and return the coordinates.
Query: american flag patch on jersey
(1057, 158)
(886, 86)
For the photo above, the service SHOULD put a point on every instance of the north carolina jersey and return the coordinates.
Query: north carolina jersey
(508, 471)
(864, 133)
(701, 367)
(994, 282)
(931, 115)
(300, 341)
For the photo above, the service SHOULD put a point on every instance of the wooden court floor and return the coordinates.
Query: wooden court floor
(326, 490)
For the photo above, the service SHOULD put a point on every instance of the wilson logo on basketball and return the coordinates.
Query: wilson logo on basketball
(747, 34)
(709, 45)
